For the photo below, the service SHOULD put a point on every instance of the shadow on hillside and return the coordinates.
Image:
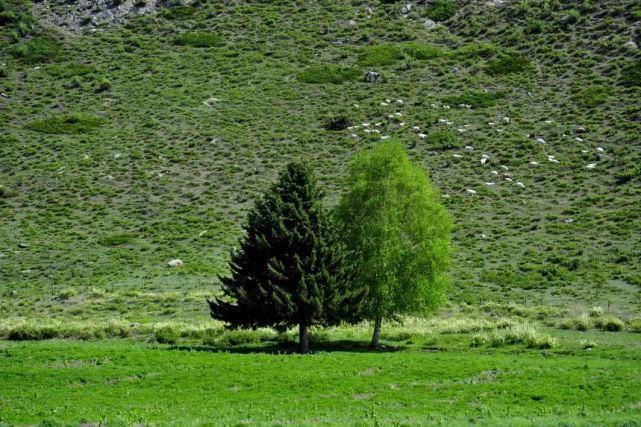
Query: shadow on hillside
(290, 348)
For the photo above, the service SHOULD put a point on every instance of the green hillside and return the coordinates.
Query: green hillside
(127, 143)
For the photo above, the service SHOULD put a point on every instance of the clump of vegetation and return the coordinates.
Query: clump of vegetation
(177, 12)
(67, 124)
(389, 54)
(587, 344)
(609, 323)
(475, 50)
(631, 74)
(117, 239)
(37, 49)
(634, 325)
(508, 64)
(69, 70)
(6, 192)
(475, 99)
(441, 10)
(328, 73)
(521, 333)
(167, 334)
(593, 95)
(443, 139)
(199, 39)
(66, 293)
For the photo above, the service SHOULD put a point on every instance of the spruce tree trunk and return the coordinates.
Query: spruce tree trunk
(303, 338)
(376, 338)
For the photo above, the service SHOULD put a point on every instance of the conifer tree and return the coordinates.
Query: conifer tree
(290, 268)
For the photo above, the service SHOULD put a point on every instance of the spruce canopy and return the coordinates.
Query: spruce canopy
(290, 268)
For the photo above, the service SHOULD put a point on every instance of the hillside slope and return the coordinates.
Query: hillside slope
(126, 143)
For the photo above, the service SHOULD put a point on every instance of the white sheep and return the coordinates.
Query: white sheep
(384, 137)
(416, 128)
(471, 192)
(600, 150)
(505, 168)
(577, 139)
(508, 179)
(457, 156)
(469, 148)
(489, 184)
(533, 163)
(384, 104)
(422, 136)
(541, 141)
(494, 172)
(506, 120)
(520, 184)
(399, 101)
(591, 166)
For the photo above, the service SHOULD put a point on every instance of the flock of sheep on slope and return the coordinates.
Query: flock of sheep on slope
(374, 128)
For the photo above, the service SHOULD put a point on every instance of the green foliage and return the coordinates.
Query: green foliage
(609, 323)
(474, 98)
(37, 49)
(328, 73)
(475, 50)
(70, 70)
(442, 10)
(508, 64)
(399, 233)
(166, 335)
(593, 95)
(631, 74)
(69, 124)
(443, 139)
(290, 269)
(177, 12)
(389, 54)
(199, 39)
(117, 239)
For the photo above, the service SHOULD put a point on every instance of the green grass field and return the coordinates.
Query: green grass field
(130, 140)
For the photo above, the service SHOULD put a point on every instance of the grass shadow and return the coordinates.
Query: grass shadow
(271, 347)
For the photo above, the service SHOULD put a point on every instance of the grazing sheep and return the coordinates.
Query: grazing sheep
(484, 159)
(494, 172)
(365, 125)
(577, 139)
(385, 137)
(520, 184)
(508, 179)
(416, 128)
(384, 104)
(371, 76)
(505, 168)
(422, 136)
(541, 141)
(399, 101)
(552, 160)
(533, 163)
(175, 263)
(470, 192)
(591, 166)
(399, 114)
(457, 156)
(354, 136)
(489, 184)
(600, 150)
(506, 120)
(469, 148)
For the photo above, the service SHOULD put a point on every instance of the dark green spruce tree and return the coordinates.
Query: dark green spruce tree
(290, 269)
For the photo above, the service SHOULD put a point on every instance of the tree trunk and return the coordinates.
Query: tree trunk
(376, 338)
(303, 338)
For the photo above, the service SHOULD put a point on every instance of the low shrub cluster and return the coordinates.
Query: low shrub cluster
(67, 124)
(475, 99)
(391, 53)
(508, 64)
(594, 318)
(520, 333)
(37, 49)
(199, 39)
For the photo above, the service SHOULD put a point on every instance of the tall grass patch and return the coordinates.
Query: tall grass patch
(37, 49)
(475, 99)
(389, 54)
(508, 63)
(66, 124)
(328, 73)
(199, 39)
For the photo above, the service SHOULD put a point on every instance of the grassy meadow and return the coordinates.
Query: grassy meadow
(129, 141)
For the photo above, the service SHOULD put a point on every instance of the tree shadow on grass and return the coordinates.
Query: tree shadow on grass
(271, 347)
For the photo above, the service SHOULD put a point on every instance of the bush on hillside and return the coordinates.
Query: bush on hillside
(389, 54)
(199, 39)
(631, 74)
(443, 139)
(38, 49)
(442, 10)
(68, 124)
(474, 99)
(508, 64)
